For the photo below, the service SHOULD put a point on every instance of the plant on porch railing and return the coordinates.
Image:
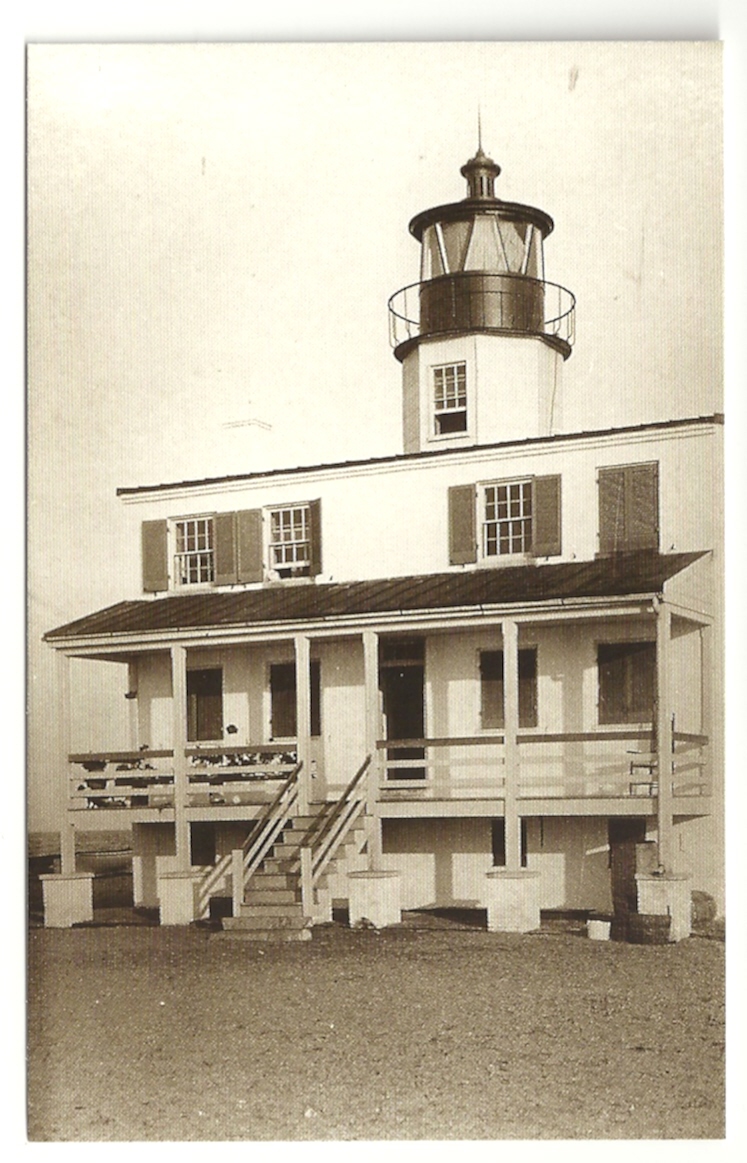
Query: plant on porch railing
(324, 844)
(135, 781)
(220, 775)
(246, 860)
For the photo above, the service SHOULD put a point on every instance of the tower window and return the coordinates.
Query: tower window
(194, 551)
(507, 524)
(450, 399)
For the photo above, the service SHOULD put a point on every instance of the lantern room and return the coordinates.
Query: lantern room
(482, 277)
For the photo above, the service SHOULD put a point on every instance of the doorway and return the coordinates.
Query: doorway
(402, 681)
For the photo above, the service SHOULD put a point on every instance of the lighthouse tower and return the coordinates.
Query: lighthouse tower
(482, 336)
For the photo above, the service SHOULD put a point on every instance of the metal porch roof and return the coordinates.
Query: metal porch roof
(631, 573)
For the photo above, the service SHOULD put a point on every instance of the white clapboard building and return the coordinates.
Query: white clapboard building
(468, 674)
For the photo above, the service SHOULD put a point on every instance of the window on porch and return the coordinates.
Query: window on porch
(491, 689)
(283, 699)
(627, 681)
(204, 705)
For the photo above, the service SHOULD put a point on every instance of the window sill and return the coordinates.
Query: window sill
(503, 559)
(441, 437)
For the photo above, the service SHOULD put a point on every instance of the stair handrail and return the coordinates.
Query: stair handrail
(261, 838)
(336, 826)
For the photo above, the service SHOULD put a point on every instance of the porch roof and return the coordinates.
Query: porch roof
(643, 572)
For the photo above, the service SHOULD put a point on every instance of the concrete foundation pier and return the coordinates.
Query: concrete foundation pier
(513, 901)
(375, 897)
(68, 899)
(667, 894)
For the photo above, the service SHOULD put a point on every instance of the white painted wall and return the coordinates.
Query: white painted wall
(391, 519)
(513, 389)
(444, 862)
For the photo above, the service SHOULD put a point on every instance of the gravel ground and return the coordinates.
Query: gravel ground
(425, 1031)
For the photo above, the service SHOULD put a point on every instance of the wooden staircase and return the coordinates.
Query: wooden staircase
(282, 900)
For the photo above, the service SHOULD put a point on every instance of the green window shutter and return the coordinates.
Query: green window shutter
(611, 510)
(642, 506)
(546, 516)
(224, 542)
(249, 545)
(462, 535)
(315, 537)
(154, 536)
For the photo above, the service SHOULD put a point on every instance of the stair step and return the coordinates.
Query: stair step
(263, 921)
(290, 910)
(264, 879)
(283, 850)
(259, 895)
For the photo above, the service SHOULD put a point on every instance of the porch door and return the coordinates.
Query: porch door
(402, 688)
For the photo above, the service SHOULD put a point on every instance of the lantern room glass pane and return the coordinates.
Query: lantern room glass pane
(512, 235)
(430, 263)
(456, 236)
(484, 252)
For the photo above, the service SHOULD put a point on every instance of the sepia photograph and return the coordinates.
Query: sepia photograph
(375, 503)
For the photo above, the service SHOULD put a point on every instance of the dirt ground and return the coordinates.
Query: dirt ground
(431, 1030)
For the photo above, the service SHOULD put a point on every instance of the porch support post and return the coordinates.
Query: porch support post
(706, 704)
(373, 730)
(664, 734)
(134, 724)
(181, 783)
(303, 719)
(64, 711)
(510, 632)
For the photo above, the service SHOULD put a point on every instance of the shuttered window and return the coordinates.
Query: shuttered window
(627, 681)
(516, 517)
(231, 548)
(628, 508)
(283, 699)
(204, 704)
(491, 689)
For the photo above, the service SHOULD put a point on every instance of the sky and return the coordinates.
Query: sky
(214, 231)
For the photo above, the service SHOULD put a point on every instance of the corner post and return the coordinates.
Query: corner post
(181, 783)
(373, 729)
(510, 633)
(664, 734)
(303, 719)
(67, 830)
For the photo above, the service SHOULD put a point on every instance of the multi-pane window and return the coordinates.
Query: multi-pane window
(507, 522)
(193, 551)
(450, 398)
(627, 681)
(290, 542)
(492, 715)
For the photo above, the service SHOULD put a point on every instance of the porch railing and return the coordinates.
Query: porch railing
(121, 779)
(216, 776)
(617, 763)
(234, 774)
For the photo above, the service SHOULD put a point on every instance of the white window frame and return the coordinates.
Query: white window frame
(295, 565)
(202, 557)
(517, 523)
(454, 397)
